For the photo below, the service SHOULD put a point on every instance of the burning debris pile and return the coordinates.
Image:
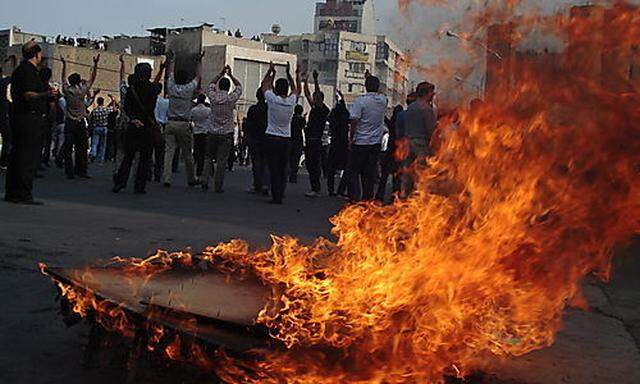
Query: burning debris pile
(527, 195)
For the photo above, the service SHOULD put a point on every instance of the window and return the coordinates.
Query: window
(357, 67)
(358, 46)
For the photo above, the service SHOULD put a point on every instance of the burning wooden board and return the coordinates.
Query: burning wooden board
(224, 308)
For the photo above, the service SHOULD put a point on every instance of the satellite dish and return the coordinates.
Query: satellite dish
(276, 29)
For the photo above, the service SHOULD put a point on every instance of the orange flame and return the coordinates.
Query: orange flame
(525, 197)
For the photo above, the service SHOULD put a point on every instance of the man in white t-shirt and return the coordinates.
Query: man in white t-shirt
(280, 104)
(367, 129)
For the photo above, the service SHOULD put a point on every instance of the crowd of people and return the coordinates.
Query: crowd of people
(156, 127)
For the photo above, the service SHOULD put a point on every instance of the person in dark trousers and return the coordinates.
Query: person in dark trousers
(256, 128)
(298, 123)
(388, 163)
(419, 124)
(112, 126)
(76, 137)
(280, 104)
(313, 135)
(367, 127)
(339, 147)
(139, 106)
(201, 123)
(5, 130)
(47, 134)
(29, 94)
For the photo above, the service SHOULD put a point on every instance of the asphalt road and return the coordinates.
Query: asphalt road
(83, 221)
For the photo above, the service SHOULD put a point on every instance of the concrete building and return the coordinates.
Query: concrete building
(15, 36)
(392, 69)
(249, 66)
(249, 59)
(80, 60)
(342, 59)
(343, 47)
(356, 16)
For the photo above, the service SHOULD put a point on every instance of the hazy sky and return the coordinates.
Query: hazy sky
(99, 17)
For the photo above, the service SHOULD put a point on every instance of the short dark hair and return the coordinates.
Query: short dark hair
(411, 98)
(298, 110)
(182, 77)
(224, 84)
(201, 99)
(282, 87)
(100, 101)
(320, 94)
(75, 79)
(425, 88)
(260, 94)
(372, 84)
(143, 71)
(30, 50)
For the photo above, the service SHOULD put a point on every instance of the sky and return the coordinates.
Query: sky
(110, 17)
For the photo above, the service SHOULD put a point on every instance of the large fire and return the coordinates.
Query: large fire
(527, 195)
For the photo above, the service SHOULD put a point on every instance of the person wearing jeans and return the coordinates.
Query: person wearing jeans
(221, 141)
(367, 128)
(200, 120)
(99, 119)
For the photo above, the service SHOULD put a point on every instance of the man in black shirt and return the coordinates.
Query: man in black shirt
(139, 106)
(339, 121)
(29, 94)
(298, 124)
(313, 134)
(255, 130)
(5, 132)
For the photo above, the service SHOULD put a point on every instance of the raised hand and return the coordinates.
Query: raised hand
(201, 56)
(315, 75)
(121, 58)
(63, 60)
(96, 59)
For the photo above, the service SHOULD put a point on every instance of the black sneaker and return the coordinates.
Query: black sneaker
(85, 177)
(194, 183)
(117, 188)
(30, 202)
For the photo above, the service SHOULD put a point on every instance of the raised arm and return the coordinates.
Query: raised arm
(219, 75)
(160, 73)
(296, 85)
(13, 61)
(63, 80)
(199, 70)
(236, 82)
(170, 64)
(316, 82)
(267, 82)
(307, 92)
(122, 70)
(94, 71)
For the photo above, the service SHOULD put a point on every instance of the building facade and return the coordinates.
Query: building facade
(356, 16)
(343, 58)
(15, 36)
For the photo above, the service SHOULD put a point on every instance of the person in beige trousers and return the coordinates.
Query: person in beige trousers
(178, 133)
